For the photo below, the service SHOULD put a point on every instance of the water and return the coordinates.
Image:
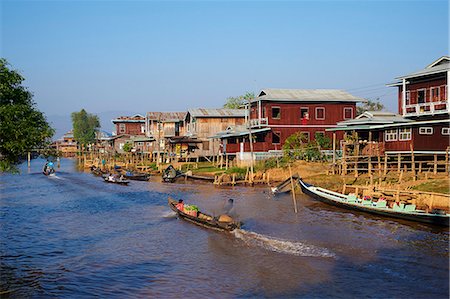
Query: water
(74, 236)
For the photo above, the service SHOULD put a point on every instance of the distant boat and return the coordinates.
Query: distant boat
(351, 202)
(137, 176)
(48, 169)
(116, 181)
(170, 174)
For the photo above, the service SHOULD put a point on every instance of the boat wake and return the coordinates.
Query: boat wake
(281, 246)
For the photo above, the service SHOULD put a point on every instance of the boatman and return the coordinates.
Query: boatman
(180, 205)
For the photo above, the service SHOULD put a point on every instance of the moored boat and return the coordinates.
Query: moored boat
(285, 186)
(170, 174)
(137, 176)
(204, 220)
(116, 181)
(351, 202)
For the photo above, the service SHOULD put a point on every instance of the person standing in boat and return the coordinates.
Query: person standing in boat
(228, 207)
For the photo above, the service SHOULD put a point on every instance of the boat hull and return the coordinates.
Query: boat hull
(125, 183)
(435, 219)
(210, 224)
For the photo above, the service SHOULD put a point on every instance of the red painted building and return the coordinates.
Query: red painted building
(424, 111)
(276, 114)
(130, 125)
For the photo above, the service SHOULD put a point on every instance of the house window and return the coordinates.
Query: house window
(305, 136)
(149, 143)
(435, 94)
(259, 137)
(348, 113)
(408, 98)
(140, 144)
(445, 131)
(319, 134)
(390, 135)
(276, 137)
(276, 112)
(121, 128)
(426, 130)
(142, 128)
(304, 113)
(231, 141)
(121, 145)
(404, 134)
(205, 145)
(421, 95)
(320, 113)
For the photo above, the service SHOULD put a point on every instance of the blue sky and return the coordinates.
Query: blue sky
(170, 56)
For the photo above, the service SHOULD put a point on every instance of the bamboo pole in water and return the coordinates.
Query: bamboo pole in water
(293, 190)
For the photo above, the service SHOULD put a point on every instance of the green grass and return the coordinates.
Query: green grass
(436, 185)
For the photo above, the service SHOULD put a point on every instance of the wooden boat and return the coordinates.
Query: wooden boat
(206, 221)
(170, 174)
(97, 171)
(116, 181)
(137, 176)
(408, 212)
(189, 175)
(285, 186)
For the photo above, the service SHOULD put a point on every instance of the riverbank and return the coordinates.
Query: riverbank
(427, 190)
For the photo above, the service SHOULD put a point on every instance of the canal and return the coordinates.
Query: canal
(75, 236)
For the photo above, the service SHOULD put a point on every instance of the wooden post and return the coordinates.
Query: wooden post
(385, 164)
(413, 163)
(29, 159)
(334, 152)
(356, 159)
(446, 161)
(344, 161)
(293, 189)
(435, 164)
(399, 162)
(234, 179)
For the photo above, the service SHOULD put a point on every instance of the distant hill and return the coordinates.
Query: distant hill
(63, 123)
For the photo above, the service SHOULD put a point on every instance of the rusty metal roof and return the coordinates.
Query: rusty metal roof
(221, 112)
(306, 95)
(166, 116)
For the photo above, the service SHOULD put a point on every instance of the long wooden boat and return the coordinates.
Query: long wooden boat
(350, 202)
(116, 181)
(285, 186)
(206, 221)
(137, 176)
(198, 177)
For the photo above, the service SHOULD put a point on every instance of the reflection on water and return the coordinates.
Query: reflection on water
(74, 236)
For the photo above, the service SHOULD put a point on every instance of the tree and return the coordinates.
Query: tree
(23, 127)
(127, 147)
(369, 105)
(238, 102)
(84, 127)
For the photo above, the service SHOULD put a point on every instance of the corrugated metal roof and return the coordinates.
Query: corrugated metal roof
(438, 66)
(236, 131)
(306, 95)
(166, 116)
(369, 119)
(221, 112)
(129, 119)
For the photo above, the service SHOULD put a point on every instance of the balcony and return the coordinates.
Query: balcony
(428, 108)
(259, 122)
